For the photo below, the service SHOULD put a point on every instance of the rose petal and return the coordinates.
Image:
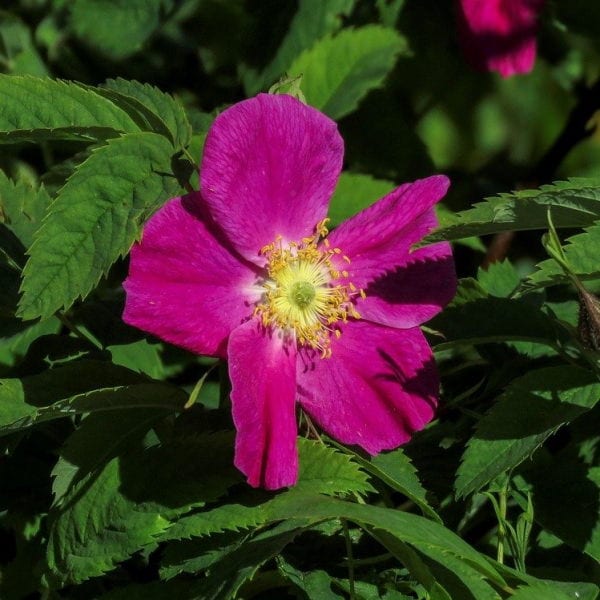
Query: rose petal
(379, 386)
(263, 379)
(414, 292)
(185, 285)
(269, 167)
(403, 288)
(499, 35)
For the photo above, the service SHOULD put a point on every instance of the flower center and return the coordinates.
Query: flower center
(302, 293)
(305, 294)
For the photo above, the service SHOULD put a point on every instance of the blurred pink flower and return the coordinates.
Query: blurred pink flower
(499, 35)
(244, 270)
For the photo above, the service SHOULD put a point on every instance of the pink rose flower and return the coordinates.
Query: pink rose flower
(499, 35)
(245, 270)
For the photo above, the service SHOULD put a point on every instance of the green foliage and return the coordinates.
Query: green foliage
(574, 203)
(160, 112)
(354, 192)
(475, 317)
(395, 469)
(123, 506)
(581, 253)
(117, 469)
(41, 109)
(337, 72)
(531, 409)
(18, 53)
(94, 220)
(313, 21)
(80, 387)
(118, 29)
(22, 208)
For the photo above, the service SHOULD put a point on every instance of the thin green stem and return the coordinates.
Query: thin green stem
(350, 559)
(501, 528)
(76, 331)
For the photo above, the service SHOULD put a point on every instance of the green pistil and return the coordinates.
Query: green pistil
(302, 294)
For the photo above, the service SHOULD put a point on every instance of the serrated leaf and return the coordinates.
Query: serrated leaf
(459, 578)
(574, 203)
(322, 470)
(313, 20)
(327, 471)
(94, 220)
(117, 28)
(107, 517)
(419, 532)
(22, 208)
(337, 72)
(473, 317)
(228, 574)
(78, 387)
(162, 111)
(46, 109)
(395, 469)
(581, 252)
(499, 279)
(531, 409)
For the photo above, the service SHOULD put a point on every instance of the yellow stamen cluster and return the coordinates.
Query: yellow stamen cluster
(299, 294)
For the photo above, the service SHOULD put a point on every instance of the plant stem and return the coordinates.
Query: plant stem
(350, 559)
(501, 528)
(76, 331)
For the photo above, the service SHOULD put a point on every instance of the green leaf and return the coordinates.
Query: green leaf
(353, 193)
(162, 112)
(339, 71)
(45, 109)
(529, 411)
(100, 437)
(228, 574)
(18, 54)
(499, 279)
(581, 253)
(389, 11)
(315, 584)
(117, 28)
(459, 578)
(94, 220)
(13, 347)
(419, 532)
(565, 494)
(314, 20)
(78, 387)
(327, 471)
(322, 470)
(22, 208)
(110, 515)
(395, 469)
(473, 317)
(574, 203)
(140, 356)
(550, 591)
